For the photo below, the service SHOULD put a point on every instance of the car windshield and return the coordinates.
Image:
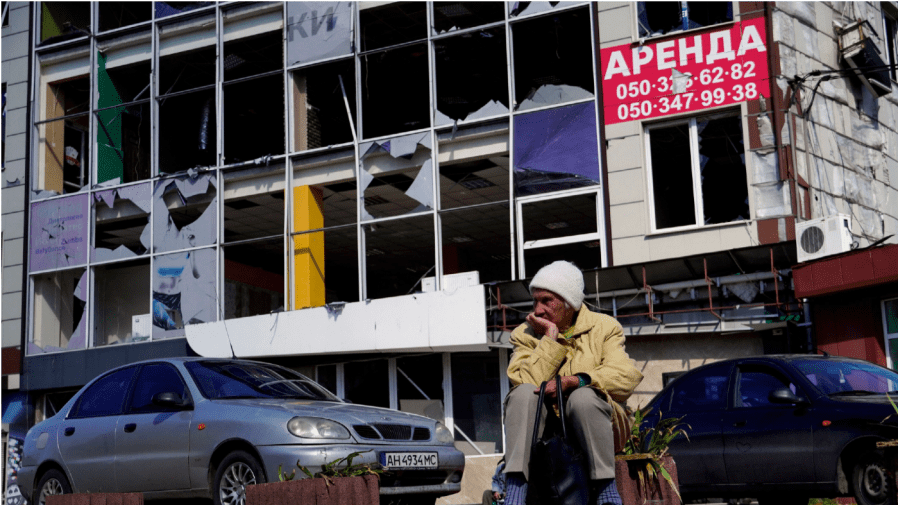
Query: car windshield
(835, 377)
(220, 380)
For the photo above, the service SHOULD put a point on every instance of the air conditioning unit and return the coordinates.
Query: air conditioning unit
(818, 238)
(451, 282)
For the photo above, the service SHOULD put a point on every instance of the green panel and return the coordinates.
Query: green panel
(110, 157)
(893, 352)
(891, 308)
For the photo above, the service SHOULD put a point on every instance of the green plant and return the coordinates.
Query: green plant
(342, 467)
(650, 445)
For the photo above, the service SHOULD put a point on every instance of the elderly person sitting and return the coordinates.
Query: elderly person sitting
(563, 337)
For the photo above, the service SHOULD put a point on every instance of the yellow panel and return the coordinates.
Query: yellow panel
(308, 249)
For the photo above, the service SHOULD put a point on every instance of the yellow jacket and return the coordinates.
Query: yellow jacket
(595, 348)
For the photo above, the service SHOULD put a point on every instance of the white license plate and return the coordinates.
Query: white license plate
(394, 460)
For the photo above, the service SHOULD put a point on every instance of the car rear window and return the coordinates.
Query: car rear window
(220, 380)
(836, 376)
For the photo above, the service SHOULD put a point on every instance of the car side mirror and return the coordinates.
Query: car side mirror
(169, 399)
(785, 396)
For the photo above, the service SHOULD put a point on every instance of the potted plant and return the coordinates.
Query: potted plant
(339, 481)
(644, 470)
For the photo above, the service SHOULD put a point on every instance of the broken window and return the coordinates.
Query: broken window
(451, 16)
(325, 261)
(184, 213)
(474, 165)
(253, 55)
(419, 385)
(586, 255)
(186, 70)
(518, 9)
(397, 176)
(59, 318)
(391, 24)
(253, 119)
(476, 401)
(254, 278)
(477, 240)
(368, 382)
(318, 31)
(553, 59)
(187, 132)
(319, 111)
(891, 42)
(659, 18)
(565, 226)
(64, 155)
(254, 203)
(556, 149)
(165, 9)
(471, 74)
(118, 14)
(183, 291)
(121, 222)
(693, 186)
(58, 234)
(395, 95)
(398, 255)
(122, 303)
(64, 21)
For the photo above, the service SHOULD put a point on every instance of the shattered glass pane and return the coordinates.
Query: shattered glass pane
(553, 59)
(516, 9)
(659, 18)
(254, 278)
(723, 179)
(253, 55)
(560, 217)
(122, 224)
(318, 31)
(118, 14)
(187, 134)
(396, 176)
(183, 291)
(58, 237)
(184, 213)
(672, 188)
(478, 240)
(391, 24)
(398, 254)
(67, 97)
(254, 203)
(59, 321)
(123, 144)
(63, 155)
(186, 70)
(122, 303)
(395, 96)
(316, 90)
(451, 16)
(556, 149)
(253, 119)
(472, 80)
(165, 9)
(64, 21)
(119, 83)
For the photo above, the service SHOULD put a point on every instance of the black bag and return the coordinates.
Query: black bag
(559, 470)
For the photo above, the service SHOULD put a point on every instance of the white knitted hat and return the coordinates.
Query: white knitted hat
(562, 278)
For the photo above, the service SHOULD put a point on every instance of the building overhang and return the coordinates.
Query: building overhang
(443, 321)
(852, 270)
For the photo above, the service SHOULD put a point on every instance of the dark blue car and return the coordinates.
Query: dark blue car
(782, 428)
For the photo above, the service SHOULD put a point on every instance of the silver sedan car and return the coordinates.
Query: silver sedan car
(197, 427)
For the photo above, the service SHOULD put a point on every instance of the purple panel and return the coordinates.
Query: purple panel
(107, 196)
(58, 236)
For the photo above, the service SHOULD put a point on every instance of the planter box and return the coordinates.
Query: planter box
(344, 491)
(96, 499)
(632, 493)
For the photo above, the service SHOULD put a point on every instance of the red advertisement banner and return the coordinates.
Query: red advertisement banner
(683, 74)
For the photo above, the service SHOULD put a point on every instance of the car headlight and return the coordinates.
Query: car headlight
(313, 427)
(444, 436)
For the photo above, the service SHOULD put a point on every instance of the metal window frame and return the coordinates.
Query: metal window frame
(887, 337)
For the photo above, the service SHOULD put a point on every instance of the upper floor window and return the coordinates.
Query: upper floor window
(64, 21)
(697, 172)
(891, 49)
(661, 18)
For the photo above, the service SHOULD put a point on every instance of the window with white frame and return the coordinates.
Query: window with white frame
(890, 330)
(696, 172)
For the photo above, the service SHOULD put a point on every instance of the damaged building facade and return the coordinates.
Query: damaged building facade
(361, 190)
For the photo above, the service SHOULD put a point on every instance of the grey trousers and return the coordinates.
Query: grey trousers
(588, 418)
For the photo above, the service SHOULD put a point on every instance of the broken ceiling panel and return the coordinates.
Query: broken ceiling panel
(318, 31)
(183, 291)
(182, 221)
(122, 223)
(556, 149)
(58, 235)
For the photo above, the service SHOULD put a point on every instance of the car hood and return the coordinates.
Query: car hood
(344, 413)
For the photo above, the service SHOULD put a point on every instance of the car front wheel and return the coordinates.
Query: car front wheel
(236, 471)
(870, 479)
(52, 482)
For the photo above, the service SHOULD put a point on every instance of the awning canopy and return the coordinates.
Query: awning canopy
(852, 270)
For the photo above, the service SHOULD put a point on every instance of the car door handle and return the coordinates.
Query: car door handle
(130, 427)
(739, 424)
(69, 431)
